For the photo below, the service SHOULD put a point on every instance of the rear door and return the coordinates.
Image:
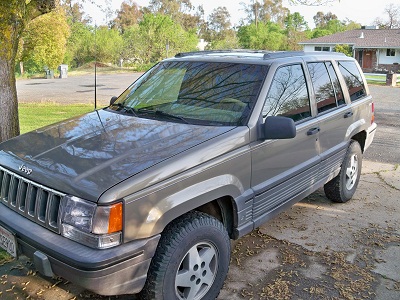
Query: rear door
(334, 115)
(281, 169)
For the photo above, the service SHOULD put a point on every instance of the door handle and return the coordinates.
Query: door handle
(348, 114)
(313, 131)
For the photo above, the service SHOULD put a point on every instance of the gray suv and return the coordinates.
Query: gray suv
(144, 195)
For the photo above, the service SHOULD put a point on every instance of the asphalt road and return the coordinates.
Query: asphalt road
(75, 89)
(386, 145)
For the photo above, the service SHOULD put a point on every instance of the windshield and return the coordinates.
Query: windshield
(195, 92)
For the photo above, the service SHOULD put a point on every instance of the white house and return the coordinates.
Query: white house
(377, 50)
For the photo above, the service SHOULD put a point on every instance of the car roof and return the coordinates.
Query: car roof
(254, 55)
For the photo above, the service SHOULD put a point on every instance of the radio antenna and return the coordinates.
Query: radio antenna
(95, 67)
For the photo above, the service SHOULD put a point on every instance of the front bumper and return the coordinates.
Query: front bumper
(115, 271)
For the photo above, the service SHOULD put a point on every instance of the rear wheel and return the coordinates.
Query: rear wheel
(191, 261)
(343, 186)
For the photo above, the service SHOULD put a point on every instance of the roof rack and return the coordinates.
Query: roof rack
(267, 54)
(206, 52)
(282, 54)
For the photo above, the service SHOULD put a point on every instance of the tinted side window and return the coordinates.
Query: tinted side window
(353, 79)
(336, 84)
(325, 95)
(288, 94)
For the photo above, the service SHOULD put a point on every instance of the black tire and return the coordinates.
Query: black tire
(193, 250)
(342, 188)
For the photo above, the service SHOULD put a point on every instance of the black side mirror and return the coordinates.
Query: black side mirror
(277, 128)
(113, 99)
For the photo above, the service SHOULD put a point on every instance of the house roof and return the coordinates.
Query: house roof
(361, 38)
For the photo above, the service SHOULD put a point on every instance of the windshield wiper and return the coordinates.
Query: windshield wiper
(125, 108)
(161, 113)
(165, 114)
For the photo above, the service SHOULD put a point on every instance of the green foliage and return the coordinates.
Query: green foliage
(295, 22)
(180, 11)
(80, 45)
(108, 46)
(4, 257)
(266, 11)
(147, 42)
(229, 41)
(44, 41)
(328, 23)
(218, 31)
(172, 26)
(265, 36)
(129, 14)
(296, 31)
(346, 49)
(318, 32)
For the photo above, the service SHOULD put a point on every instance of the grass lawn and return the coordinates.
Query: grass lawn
(378, 79)
(4, 257)
(36, 115)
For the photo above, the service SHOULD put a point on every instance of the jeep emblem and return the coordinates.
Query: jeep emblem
(25, 169)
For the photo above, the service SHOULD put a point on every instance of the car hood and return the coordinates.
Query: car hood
(87, 155)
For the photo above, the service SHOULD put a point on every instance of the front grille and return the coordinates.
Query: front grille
(34, 201)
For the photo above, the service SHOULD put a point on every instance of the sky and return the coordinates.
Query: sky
(360, 11)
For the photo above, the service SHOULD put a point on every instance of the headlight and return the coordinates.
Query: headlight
(90, 224)
(78, 213)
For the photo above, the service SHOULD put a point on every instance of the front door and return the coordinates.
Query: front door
(367, 59)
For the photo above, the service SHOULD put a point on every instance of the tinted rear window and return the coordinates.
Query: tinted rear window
(353, 78)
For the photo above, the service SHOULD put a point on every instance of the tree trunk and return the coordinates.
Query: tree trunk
(9, 124)
(14, 14)
(11, 26)
(21, 68)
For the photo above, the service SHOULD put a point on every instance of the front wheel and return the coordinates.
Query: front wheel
(191, 261)
(343, 186)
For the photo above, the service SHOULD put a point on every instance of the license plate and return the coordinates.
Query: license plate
(8, 241)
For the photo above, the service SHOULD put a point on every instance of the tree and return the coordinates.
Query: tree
(393, 18)
(74, 12)
(80, 45)
(346, 49)
(108, 46)
(178, 10)
(45, 39)
(266, 11)
(296, 22)
(219, 32)
(128, 15)
(296, 26)
(329, 24)
(264, 36)
(14, 15)
(351, 25)
(156, 37)
(219, 20)
(321, 19)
